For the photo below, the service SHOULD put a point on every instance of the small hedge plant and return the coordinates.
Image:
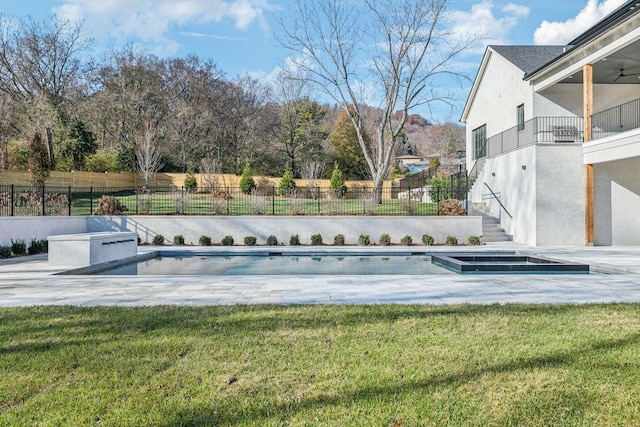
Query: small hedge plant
(474, 240)
(19, 247)
(451, 241)
(338, 240)
(5, 252)
(406, 241)
(178, 240)
(272, 240)
(428, 240)
(294, 240)
(38, 246)
(204, 240)
(364, 240)
(316, 240)
(385, 239)
(250, 240)
(158, 240)
(227, 241)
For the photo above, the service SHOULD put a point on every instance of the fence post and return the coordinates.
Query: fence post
(91, 200)
(44, 209)
(273, 200)
(12, 201)
(69, 199)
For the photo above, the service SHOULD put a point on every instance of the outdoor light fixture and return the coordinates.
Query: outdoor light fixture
(493, 174)
(524, 167)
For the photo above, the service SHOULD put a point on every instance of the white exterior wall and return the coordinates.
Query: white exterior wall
(496, 100)
(546, 198)
(560, 195)
(617, 202)
(517, 190)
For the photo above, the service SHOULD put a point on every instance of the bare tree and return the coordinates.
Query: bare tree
(210, 169)
(148, 156)
(394, 49)
(312, 172)
(40, 61)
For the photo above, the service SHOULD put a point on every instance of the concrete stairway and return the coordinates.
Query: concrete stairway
(491, 230)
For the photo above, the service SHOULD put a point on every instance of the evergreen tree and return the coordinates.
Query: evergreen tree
(39, 160)
(287, 184)
(337, 181)
(348, 153)
(246, 182)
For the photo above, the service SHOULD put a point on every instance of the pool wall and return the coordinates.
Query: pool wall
(216, 227)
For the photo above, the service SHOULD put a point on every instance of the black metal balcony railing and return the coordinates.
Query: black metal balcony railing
(618, 119)
(534, 131)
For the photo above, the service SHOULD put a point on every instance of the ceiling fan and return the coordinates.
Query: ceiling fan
(622, 74)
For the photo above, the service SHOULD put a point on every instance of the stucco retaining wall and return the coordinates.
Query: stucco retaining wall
(37, 227)
(283, 227)
(216, 227)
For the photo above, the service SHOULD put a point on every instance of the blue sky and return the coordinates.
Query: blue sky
(239, 34)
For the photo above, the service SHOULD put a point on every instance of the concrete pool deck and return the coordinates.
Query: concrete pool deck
(615, 277)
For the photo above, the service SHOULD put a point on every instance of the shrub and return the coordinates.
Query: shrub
(406, 241)
(316, 240)
(337, 181)
(385, 240)
(227, 240)
(109, 205)
(178, 240)
(5, 252)
(250, 240)
(190, 182)
(272, 240)
(18, 247)
(440, 189)
(428, 240)
(474, 240)
(246, 182)
(38, 246)
(364, 240)
(205, 241)
(451, 241)
(287, 184)
(338, 240)
(158, 240)
(294, 240)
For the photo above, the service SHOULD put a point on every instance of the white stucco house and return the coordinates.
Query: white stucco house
(553, 136)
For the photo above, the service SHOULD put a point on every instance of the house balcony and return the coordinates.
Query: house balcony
(564, 130)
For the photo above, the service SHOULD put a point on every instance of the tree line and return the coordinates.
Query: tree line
(63, 109)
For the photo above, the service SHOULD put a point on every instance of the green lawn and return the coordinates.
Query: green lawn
(240, 204)
(525, 365)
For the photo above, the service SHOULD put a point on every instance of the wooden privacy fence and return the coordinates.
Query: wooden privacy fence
(81, 179)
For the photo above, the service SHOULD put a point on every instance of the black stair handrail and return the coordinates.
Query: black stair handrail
(496, 197)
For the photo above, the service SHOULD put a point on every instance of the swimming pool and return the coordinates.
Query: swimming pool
(279, 265)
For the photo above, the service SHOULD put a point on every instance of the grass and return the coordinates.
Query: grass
(200, 204)
(382, 365)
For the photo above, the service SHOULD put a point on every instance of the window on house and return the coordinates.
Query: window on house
(479, 137)
(520, 112)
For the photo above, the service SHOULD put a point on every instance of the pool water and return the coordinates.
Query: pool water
(373, 265)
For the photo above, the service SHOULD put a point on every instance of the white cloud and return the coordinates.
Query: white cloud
(152, 21)
(558, 33)
(488, 23)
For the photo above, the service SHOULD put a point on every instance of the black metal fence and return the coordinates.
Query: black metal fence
(52, 201)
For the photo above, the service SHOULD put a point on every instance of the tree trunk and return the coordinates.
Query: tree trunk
(52, 158)
(378, 182)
